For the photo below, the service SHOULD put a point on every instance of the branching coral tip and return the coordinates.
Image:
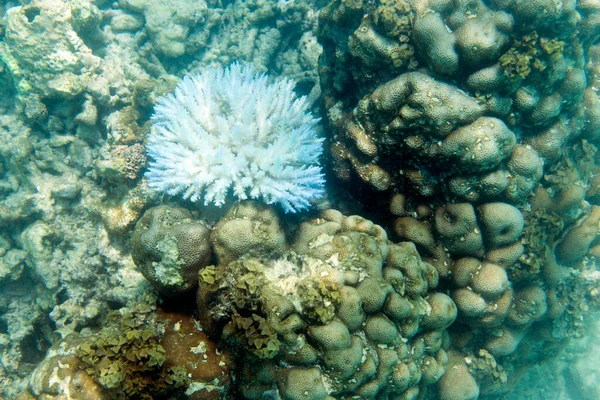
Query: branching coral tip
(236, 131)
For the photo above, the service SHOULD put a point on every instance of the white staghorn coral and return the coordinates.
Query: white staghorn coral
(235, 130)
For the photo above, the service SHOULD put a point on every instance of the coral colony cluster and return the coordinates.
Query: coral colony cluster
(233, 130)
(464, 132)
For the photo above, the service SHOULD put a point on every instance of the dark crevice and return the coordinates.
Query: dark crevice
(31, 13)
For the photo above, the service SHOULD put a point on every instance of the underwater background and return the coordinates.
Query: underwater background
(298, 200)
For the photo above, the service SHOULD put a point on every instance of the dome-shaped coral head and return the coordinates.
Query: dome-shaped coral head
(235, 130)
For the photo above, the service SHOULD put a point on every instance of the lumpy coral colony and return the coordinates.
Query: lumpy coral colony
(467, 131)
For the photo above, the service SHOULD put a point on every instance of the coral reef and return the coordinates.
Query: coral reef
(59, 269)
(79, 79)
(468, 130)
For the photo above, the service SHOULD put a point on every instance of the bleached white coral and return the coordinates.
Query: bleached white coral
(235, 130)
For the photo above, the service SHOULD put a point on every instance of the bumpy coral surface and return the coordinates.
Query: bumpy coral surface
(170, 247)
(467, 128)
(234, 130)
(343, 313)
(470, 124)
(475, 122)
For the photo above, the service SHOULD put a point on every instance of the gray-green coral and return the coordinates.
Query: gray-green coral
(80, 78)
(486, 156)
(326, 316)
(169, 247)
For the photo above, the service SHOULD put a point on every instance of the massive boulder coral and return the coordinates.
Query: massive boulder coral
(433, 125)
(398, 129)
(450, 231)
(169, 247)
(344, 312)
(248, 228)
(483, 295)
(458, 383)
(482, 143)
(578, 240)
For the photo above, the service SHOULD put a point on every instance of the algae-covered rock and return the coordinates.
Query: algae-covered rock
(43, 49)
(169, 23)
(139, 353)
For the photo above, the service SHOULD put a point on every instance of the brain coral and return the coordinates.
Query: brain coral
(169, 247)
(235, 130)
